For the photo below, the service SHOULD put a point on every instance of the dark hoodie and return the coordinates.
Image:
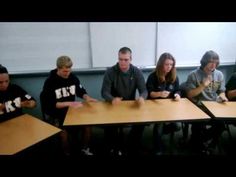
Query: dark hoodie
(57, 89)
(119, 84)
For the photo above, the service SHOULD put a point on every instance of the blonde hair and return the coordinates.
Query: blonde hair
(64, 61)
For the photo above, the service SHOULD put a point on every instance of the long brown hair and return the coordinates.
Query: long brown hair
(171, 76)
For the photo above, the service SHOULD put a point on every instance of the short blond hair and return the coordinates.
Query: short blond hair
(64, 61)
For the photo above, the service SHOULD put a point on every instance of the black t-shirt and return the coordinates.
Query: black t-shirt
(12, 98)
(154, 85)
(231, 84)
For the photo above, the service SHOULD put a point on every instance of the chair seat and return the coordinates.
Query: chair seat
(170, 128)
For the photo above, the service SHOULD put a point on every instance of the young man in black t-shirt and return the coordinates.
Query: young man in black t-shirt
(12, 97)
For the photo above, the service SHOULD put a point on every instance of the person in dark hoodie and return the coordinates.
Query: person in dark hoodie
(120, 83)
(12, 97)
(59, 92)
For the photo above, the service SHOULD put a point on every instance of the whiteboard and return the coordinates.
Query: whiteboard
(33, 46)
(188, 41)
(107, 38)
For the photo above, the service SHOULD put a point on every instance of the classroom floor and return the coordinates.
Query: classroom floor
(49, 149)
(175, 146)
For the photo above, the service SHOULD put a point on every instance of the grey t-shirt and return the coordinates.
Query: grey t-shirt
(211, 92)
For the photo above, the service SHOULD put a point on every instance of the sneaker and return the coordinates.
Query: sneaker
(207, 143)
(207, 152)
(119, 153)
(115, 152)
(86, 152)
(111, 152)
(158, 153)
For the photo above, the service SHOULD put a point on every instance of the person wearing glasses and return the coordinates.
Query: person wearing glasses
(206, 83)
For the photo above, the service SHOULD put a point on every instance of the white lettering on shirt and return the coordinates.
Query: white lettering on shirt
(72, 89)
(27, 96)
(65, 91)
(10, 107)
(58, 93)
(17, 102)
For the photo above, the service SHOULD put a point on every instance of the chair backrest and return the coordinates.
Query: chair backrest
(43, 107)
(182, 88)
(185, 125)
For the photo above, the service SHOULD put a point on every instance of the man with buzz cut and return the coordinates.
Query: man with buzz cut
(120, 83)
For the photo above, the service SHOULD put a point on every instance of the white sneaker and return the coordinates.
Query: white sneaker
(115, 153)
(119, 153)
(86, 152)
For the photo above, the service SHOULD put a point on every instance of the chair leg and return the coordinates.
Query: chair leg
(228, 130)
(185, 127)
(172, 135)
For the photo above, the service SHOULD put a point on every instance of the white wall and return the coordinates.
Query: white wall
(108, 38)
(28, 47)
(189, 41)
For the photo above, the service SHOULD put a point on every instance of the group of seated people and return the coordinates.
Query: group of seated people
(120, 82)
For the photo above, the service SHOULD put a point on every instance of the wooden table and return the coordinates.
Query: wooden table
(21, 132)
(221, 110)
(130, 112)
